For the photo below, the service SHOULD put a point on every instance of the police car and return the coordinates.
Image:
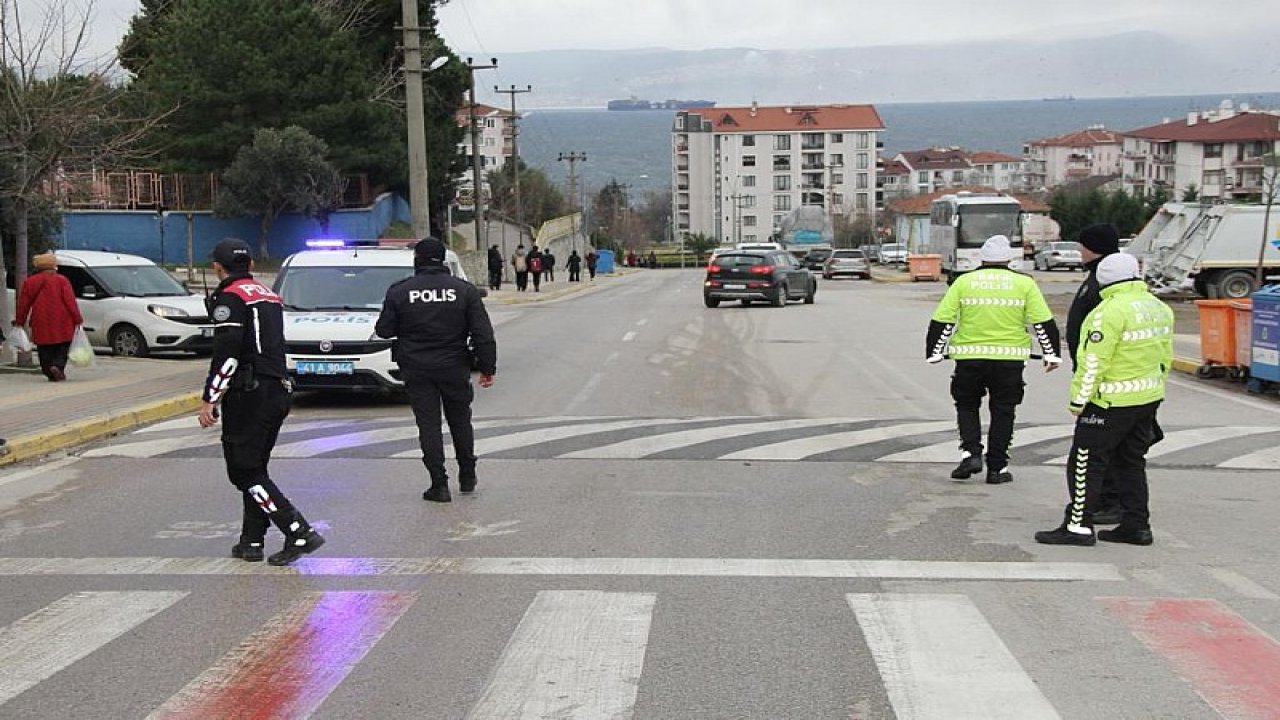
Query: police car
(332, 295)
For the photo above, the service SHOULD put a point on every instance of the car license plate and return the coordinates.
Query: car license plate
(325, 367)
(735, 287)
(206, 332)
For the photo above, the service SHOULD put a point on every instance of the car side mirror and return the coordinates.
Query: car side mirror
(89, 292)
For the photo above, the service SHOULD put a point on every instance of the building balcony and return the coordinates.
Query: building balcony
(682, 148)
(813, 166)
(1162, 159)
(812, 146)
(1249, 162)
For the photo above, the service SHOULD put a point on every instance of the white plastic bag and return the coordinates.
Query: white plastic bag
(81, 352)
(18, 339)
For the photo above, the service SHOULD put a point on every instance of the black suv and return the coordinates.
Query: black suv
(771, 275)
(815, 259)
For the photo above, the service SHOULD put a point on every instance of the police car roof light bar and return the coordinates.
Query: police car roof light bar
(320, 244)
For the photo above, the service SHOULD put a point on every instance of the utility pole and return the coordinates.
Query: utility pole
(419, 196)
(739, 202)
(477, 180)
(515, 146)
(573, 158)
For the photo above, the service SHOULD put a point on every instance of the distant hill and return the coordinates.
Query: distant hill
(1128, 64)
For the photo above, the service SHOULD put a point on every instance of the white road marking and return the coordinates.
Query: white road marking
(940, 659)
(1180, 440)
(654, 567)
(52, 638)
(544, 435)
(652, 444)
(642, 322)
(806, 447)
(416, 453)
(1264, 459)
(590, 385)
(1241, 584)
(575, 655)
(333, 443)
(201, 438)
(41, 470)
(631, 335)
(949, 451)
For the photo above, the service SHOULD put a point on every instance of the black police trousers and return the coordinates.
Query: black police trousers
(972, 380)
(251, 421)
(1112, 442)
(451, 389)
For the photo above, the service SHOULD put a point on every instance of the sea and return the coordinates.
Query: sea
(634, 147)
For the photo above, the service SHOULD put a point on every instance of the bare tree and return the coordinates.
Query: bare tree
(1270, 191)
(57, 111)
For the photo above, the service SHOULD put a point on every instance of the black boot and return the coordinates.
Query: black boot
(1131, 536)
(467, 479)
(438, 493)
(969, 465)
(246, 551)
(1062, 536)
(299, 538)
(999, 477)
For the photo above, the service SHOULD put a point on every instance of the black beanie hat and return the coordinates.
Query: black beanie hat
(428, 251)
(1102, 238)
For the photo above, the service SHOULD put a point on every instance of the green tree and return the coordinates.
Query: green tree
(282, 171)
(1074, 210)
(1190, 193)
(699, 243)
(540, 199)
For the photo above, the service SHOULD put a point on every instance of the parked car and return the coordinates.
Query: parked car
(847, 262)
(133, 306)
(816, 258)
(1058, 254)
(774, 276)
(893, 253)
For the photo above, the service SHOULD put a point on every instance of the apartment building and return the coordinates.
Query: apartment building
(737, 172)
(1053, 161)
(936, 169)
(1218, 152)
(496, 130)
(893, 181)
(995, 169)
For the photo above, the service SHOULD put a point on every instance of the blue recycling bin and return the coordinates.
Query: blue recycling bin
(1265, 343)
(604, 263)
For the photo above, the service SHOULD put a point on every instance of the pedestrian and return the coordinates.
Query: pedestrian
(441, 331)
(1095, 242)
(592, 260)
(549, 265)
(1123, 360)
(653, 260)
(574, 263)
(47, 306)
(981, 323)
(536, 265)
(249, 383)
(495, 268)
(520, 264)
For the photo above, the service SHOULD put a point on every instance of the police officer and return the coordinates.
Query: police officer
(247, 377)
(441, 331)
(981, 323)
(1125, 356)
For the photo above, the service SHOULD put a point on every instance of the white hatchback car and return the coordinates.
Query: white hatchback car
(332, 297)
(133, 306)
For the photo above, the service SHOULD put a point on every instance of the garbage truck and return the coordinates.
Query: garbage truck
(1215, 247)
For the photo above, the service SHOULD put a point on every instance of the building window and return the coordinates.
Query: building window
(748, 201)
(748, 141)
(837, 178)
(860, 201)
(863, 140)
(749, 238)
(811, 141)
(837, 138)
(782, 202)
(749, 220)
(957, 176)
(781, 182)
(781, 142)
(837, 201)
(748, 161)
(862, 161)
(861, 182)
(679, 122)
(837, 159)
(1213, 150)
(488, 122)
(748, 181)
(782, 163)
(922, 177)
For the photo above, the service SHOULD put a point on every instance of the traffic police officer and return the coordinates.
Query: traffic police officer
(441, 331)
(247, 377)
(981, 323)
(1124, 358)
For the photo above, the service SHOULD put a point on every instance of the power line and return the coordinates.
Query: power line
(515, 146)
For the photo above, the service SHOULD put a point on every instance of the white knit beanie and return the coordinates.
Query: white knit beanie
(996, 250)
(1117, 267)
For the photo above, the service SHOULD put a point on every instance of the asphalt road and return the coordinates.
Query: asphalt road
(684, 512)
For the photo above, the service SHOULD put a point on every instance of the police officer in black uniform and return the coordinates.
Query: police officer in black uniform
(442, 332)
(248, 378)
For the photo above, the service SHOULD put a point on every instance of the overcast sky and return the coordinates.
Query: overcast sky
(497, 26)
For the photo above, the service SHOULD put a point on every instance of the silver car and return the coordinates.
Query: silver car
(846, 262)
(1058, 254)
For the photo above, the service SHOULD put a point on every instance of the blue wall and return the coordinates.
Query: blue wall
(139, 232)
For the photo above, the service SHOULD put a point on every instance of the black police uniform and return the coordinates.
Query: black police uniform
(442, 332)
(248, 376)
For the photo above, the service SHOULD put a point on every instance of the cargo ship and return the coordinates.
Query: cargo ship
(633, 103)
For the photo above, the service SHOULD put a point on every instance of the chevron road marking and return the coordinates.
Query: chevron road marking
(334, 443)
(939, 658)
(52, 638)
(806, 447)
(201, 438)
(485, 446)
(1264, 459)
(949, 451)
(652, 444)
(576, 655)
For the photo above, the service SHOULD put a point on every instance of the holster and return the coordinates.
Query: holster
(244, 380)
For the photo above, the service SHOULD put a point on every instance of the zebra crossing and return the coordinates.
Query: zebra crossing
(582, 654)
(730, 438)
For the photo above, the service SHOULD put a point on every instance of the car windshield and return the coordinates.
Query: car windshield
(1060, 246)
(737, 261)
(337, 288)
(848, 253)
(979, 223)
(139, 281)
(893, 247)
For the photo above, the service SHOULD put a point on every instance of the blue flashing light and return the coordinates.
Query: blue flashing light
(322, 244)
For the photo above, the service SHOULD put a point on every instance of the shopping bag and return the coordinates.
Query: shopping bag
(19, 340)
(81, 353)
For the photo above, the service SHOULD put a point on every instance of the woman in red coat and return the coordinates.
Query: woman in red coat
(47, 306)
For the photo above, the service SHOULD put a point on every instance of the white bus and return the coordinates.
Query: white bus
(960, 223)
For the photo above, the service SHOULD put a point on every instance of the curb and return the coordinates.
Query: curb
(1186, 365)
(25, 447)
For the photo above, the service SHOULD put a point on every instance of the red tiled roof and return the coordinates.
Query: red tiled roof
(984, 157)
(893, 167)
(793, 118)
(482, 110)
(1244, 126)
(936, 159)
(1092, 136)
(919, 204)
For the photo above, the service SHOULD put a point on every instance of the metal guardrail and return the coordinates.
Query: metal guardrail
(151, 190)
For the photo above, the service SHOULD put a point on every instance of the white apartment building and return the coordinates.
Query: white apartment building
(496, 130)
(737, 172)
(1218, 152)
(1053, 161)
(997, 170)
(936, 169)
